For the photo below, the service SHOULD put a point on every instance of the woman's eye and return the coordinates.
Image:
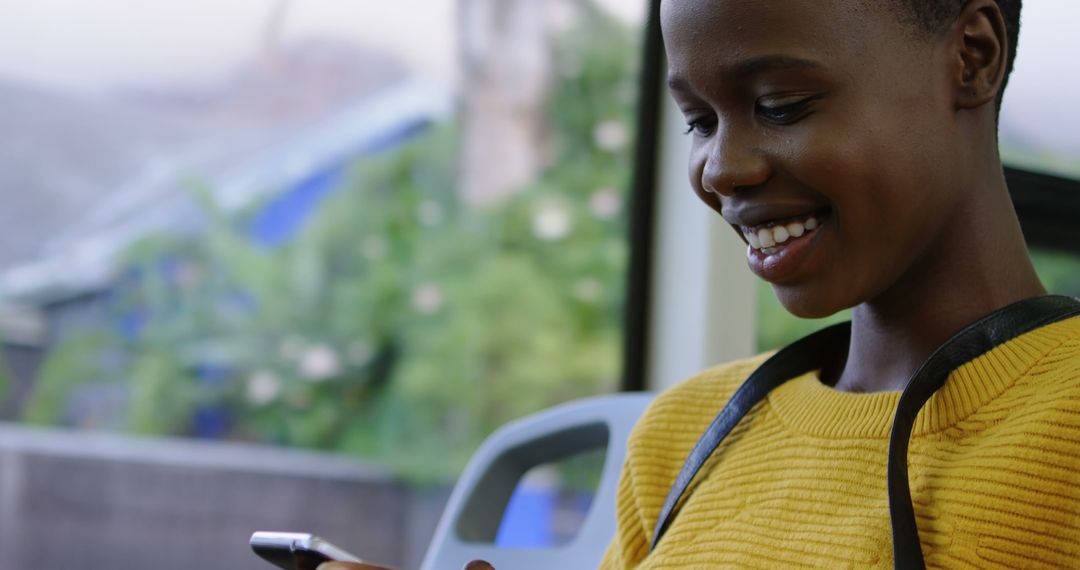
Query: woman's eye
(783, 112)
(700, 127)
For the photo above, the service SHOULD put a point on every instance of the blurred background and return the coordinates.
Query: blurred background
(283, 264)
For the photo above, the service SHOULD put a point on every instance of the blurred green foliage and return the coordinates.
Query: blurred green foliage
(1059, 271)
(776, 327)
(69, 366)
(400, 324)
(1057, 163)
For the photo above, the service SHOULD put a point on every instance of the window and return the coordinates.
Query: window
(321, 226)
(1039, 122)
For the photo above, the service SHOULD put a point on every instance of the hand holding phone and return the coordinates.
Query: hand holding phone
(350, 566)
(474, 565)
(302, 551)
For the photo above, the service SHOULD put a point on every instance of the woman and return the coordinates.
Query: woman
(853, 146)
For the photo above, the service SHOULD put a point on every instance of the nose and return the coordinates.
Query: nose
(732, 162)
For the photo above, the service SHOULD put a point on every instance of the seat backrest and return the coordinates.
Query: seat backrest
(475, 510)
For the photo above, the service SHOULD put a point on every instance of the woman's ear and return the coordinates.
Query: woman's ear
(983, 47)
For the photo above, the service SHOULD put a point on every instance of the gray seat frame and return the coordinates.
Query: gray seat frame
(471, 519)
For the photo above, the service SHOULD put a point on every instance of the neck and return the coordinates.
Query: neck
(893, 333)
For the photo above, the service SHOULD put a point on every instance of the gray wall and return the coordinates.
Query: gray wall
(72, 500)
(22, 364)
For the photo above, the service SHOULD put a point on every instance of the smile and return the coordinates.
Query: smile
(772, 237)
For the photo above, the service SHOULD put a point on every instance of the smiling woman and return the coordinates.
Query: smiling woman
(853, 147)
(843, 129)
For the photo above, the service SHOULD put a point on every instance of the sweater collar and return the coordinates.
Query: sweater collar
(806, 405)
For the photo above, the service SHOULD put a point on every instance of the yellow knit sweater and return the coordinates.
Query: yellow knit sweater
(800, 482)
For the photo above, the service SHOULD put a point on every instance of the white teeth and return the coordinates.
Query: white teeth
(765, 236)
(766, 239)
(753, 239)
(780, 234)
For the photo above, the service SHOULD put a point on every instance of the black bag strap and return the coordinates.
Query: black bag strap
(973, 341)
(796, 359)
(808, 354)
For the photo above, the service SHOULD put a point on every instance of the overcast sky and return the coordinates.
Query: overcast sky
(87, 44)
(97, 44)
(1043, 98)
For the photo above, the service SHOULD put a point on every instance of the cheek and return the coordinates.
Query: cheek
(874, 196)
(841, 168)
(874, 218)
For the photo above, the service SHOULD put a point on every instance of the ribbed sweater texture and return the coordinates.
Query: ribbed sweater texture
(994, 469)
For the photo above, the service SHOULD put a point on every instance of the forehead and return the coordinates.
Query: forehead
(704, 36)
(783, 16)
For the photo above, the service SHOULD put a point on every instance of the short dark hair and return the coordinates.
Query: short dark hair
(933, 16)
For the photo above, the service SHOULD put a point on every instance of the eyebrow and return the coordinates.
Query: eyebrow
(752, 66)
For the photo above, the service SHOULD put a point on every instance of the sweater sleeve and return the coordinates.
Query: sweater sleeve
(655, 452)
(631, 542)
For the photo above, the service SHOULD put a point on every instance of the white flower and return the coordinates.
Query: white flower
(374, 247)
(610, 135)
(263, 387)
(605, 203)
(551, 223)
(319, 362)
(427, 298)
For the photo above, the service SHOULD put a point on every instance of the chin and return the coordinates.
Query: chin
(808, 304)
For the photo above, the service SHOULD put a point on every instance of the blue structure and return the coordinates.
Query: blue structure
(280, 219)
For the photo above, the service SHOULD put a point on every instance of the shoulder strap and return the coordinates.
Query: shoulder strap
(973, 341)
(806, 355)
(800, 357)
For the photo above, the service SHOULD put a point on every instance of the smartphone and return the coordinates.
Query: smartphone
(296, 550)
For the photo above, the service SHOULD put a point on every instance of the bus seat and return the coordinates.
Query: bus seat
(474, 513)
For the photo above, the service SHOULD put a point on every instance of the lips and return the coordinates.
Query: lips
(780, 236)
